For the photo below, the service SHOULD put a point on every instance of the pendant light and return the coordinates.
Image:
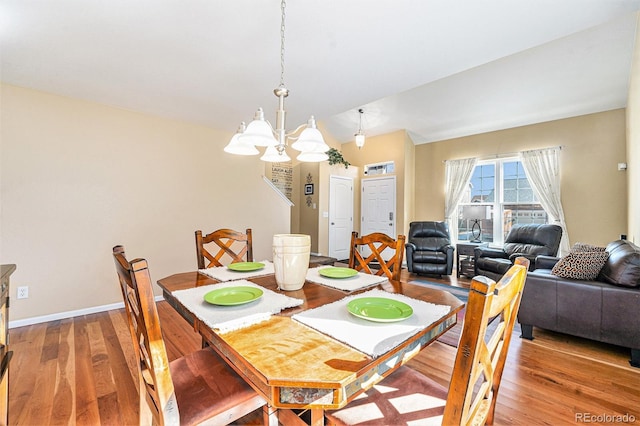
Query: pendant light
(360, 134)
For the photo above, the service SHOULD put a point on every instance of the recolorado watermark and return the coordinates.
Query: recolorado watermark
(605, 418)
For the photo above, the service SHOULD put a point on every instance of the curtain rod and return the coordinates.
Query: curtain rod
(507, 154)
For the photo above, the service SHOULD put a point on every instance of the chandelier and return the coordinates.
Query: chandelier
(260, 133)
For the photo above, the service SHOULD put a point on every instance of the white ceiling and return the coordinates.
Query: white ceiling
(438, 68)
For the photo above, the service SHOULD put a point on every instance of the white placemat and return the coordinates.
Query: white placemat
(222, 273)
(356, 282)
(229, 318)
(372, 338)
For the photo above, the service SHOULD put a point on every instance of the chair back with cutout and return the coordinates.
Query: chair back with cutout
(481, 355)
(144, 324)
(374, 263)
(237, 247)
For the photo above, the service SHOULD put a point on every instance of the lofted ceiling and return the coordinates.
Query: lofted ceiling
(437, 68)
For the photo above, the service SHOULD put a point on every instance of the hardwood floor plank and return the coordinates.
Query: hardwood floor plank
(119, 319)
(437, 359)
(110, 413)
(41, 401)
(64, 407)
(87, 412)
(24, 371)
(103, 376)
(584, 394)
(51, 342)
(125, 389)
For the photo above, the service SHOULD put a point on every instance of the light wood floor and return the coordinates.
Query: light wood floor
(81, 371)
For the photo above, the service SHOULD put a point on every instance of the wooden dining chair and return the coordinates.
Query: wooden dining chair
(407, 396)
(377, 243)
(226, 242)
(195, 388)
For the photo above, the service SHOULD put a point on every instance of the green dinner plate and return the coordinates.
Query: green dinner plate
(229, 296)
(245, 266)
(337, 272)
(379, 309)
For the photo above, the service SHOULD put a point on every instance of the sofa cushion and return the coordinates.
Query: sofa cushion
(580, 265)
(429, 257)
(533, 240)
(495, 265)
(623, 266)
(580, 308)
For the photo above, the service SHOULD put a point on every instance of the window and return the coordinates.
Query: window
(379, 168)
(502, 186)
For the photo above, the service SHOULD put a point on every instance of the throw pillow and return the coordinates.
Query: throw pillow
(581, 265)
(580, 247)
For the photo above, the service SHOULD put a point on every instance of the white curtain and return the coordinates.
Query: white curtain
(457, 175)
(542, 167)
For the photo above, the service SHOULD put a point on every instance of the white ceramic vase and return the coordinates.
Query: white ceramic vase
(291, 260)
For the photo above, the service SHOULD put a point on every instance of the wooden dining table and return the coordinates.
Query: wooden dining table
(300, 371)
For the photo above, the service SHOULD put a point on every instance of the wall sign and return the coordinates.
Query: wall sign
(282, 177)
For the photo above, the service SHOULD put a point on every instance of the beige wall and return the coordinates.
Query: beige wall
(379, 149)
(633, 143)
(307, 205)
(409, 182)
(78, 178)
(594, 192)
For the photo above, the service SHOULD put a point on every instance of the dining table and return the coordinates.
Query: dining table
(309, 354)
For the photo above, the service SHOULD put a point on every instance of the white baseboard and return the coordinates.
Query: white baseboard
(69, 314)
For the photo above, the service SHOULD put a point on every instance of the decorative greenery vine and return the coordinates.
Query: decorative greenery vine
(335, 157)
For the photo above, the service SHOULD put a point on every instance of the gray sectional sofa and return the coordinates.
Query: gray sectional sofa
(606, 309)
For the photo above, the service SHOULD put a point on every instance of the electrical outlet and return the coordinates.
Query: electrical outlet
(23, 292)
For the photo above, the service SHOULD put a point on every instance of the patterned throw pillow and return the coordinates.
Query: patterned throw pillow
(581, 265)
(580, 247)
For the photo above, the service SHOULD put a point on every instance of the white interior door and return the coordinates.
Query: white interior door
(340, 216)
(379, 206)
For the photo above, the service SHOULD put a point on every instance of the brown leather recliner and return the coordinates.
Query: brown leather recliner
(429, 249)
(528, 240)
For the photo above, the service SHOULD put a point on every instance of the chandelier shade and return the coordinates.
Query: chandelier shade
(259, 132)
(312, 157)
(310, 139)
(235, 146)
(272, 155)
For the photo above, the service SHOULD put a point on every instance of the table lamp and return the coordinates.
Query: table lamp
(475, 213)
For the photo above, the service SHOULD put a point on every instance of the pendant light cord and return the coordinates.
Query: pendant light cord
(282, 7)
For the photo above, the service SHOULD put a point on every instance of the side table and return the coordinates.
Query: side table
(467, 267)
